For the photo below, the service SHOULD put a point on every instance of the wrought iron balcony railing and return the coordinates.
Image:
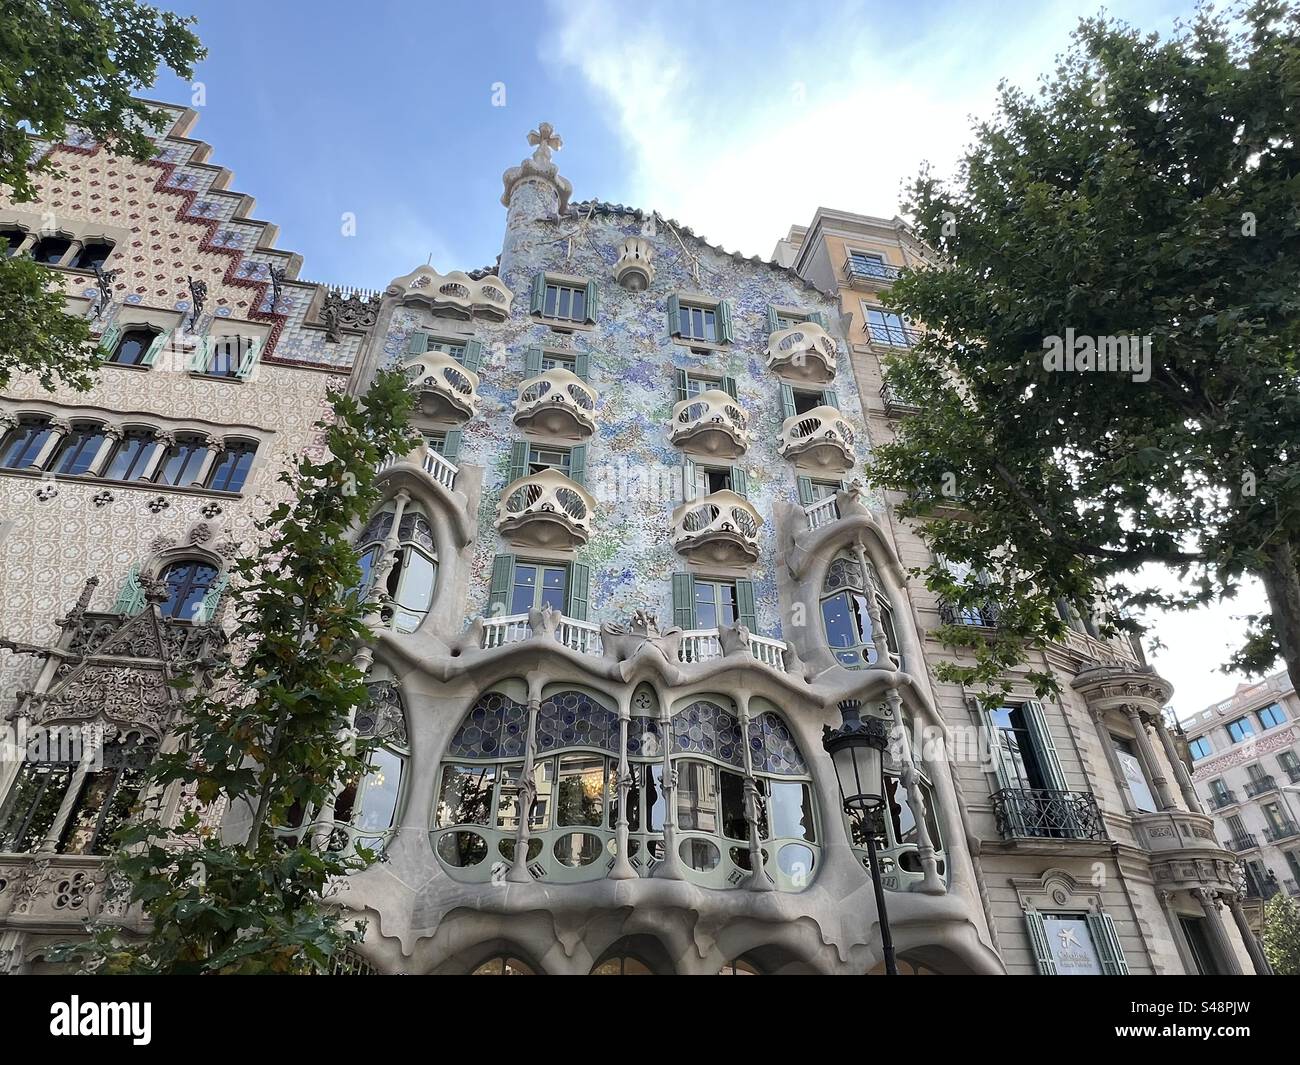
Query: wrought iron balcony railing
(868, 270)
(892, 336)
(983, 616)
(803, 352)
(1277, 833)
(1037, 813)
(1245, 842)
(1293, 772)
(895, 404)
(1259, 785)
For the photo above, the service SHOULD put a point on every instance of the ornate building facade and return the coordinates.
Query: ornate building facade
(622, 587)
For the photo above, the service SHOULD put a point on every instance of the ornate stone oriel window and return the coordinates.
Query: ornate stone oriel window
(572, 793)
(848, 592)
(410, 582)
(897, 834)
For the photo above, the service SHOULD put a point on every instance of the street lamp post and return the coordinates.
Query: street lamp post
(857, 751)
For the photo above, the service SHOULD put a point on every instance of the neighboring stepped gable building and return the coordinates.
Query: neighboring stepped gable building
(621, 587)
(1084, 806)
(1246, 765)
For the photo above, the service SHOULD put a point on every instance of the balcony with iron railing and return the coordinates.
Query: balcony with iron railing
(895, 403)
(694, 646)
(545, 510)
(1292, 887)
(803, 352)
(711, 424)
(1037, 813)
(868, 272)
(1260, 785)
(1221, 800)
(558, 402)
(981, 616)
(1247, 841)
(442, 387)
(820, 440)
(890, 336)
(721, 529)
(1285, 830)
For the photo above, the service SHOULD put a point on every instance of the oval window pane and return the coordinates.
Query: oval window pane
(740, 857)
(462, 849)
(700, 854)
(576, 849)
(507, 849)
(796, 861)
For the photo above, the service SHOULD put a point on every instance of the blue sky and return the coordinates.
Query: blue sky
(737, 118)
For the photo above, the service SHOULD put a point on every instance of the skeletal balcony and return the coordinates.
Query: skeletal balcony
(804, 352)
(455, 294)
(545, 510)
(721, 528)
(557, 402)
(820, 439)
(711, 424)
(442, 387)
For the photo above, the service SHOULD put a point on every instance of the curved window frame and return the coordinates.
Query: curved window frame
(83, 261)
(893, 848)
(245, 452)
(852, 593)
(409, 600)
(188, 596)
(138, 461)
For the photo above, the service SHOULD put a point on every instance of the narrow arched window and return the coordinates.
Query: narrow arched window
(51, 250)
(78, 449)
(24, 443)
(183, 461)
(503, 965)
(11, 240)
(414, 575)
(131, 456)
(92, 254)
(133, 346)
(230, 471)
(189, 583)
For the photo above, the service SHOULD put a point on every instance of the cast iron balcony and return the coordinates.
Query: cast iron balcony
(710, 424)
(1277, 833)
(1218, 800)
(721, 528)
(558, 402)
(545, 510)
(1259, 785)
(1037, 813)
(895, 404)
(1244, 842)
(983, 616)
(803, 352)
(442, 387)
(822, 439)
(868, 272)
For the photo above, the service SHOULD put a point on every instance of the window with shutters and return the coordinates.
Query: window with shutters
(716, 603)
(710, 479)
(519, 585)
(231, 357)
(703, 602)
(538, 584)
(805, 400)
(133, 346)
(555, 361)
(1018, 747)
(779, 318)
(23, 444)
(542, 458)
(564, 300)
(699, 320)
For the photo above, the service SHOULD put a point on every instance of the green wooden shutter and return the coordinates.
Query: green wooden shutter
(518, 461)
(805, 487)
(681, 385)
(818, 318)
(674, 316)
(579, 591)
(578, 464)
(724, 321)
(787, 402)
(593, 296)
(539, 294)
(746, 611)
(772, 324)
(683, 600)
(250, 359)
(473, 355)
(159, 342)
(1106, 940)
(689, 475)
(503, 575)
(1038, 940)
(729, 387)
(532, 362)
(739, 482)
(1043, 745)
(418, 343)
(451, 444)
(208, 607)
(582, 365)
(130, 600)
(108, 341)
(201, 356)
(830, 399)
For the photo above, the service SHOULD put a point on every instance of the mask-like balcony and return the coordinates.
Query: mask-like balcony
(804, 352)
(711, 424)
(442, 387)
(721, 528)
(456, 294)
(545, 510)
(557, 402)
(822, 439)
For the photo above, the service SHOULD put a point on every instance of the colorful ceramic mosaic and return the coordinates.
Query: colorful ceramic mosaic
(496, 727)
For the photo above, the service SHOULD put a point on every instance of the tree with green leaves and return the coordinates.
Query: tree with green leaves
(1280, 936)
(71, 64)
(268, 734)
(1150, 189)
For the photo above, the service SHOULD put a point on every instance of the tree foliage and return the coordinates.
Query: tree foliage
(267, 733)
(1280, 936)
(68, 64)
(1150, 189)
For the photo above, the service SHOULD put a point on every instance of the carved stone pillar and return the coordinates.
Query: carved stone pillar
(92, 743)
(59, 428)
(1257, 958)
(1185, 785)
(1176, 931)
(519, 873)
(1148, 758)
(622, 867)
(112, 437)
(878, 640)
(933, 883)
(671, 867)
(216, 445)
(1218, 934)
(160, 445)
(758, 878)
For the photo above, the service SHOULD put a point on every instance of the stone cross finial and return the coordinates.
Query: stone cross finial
(546, 140)
(539, 169)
